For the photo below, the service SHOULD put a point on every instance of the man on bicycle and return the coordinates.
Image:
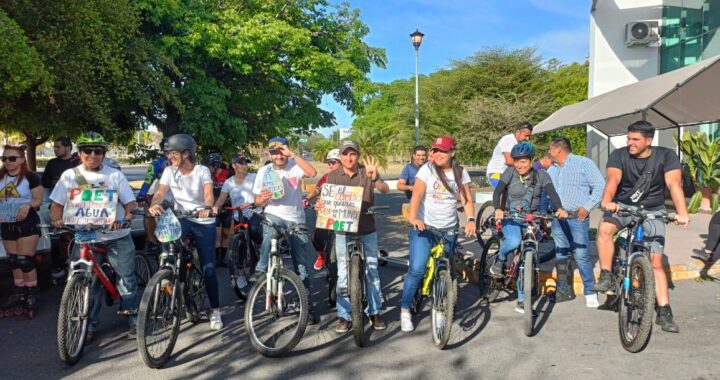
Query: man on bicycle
(637, 176)
(501, 158)
(351, 173)
(154, 172)
(407, 175)
(119, 244)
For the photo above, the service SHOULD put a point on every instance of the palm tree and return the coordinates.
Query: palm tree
(321, 149)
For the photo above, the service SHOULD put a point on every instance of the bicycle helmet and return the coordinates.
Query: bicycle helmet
(213, 160)
(163, 143)
(523, 149)
(91, 139)
(333, 154)
(180, 143)
(107, 161)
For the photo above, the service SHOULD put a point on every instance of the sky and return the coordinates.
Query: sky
(455, 29)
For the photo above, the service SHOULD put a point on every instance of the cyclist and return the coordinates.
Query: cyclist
(637, 176)
(712, 242)
(321, 236)
(438, 188)
(20, 187)
(120, 247)
(223, 220)
(351, 173)
(407, 175)
(192, 188)
(520, 185)
(154, 172)
(285, 206)
(501, 158)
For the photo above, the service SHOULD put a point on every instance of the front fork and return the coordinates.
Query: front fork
(273, 281)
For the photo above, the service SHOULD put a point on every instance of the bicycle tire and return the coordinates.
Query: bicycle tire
(72, 320)
(156, 297)
(528, 280)
(195, 294)
(443, 308)
(259, 292)
(143, 269)
(489, 285)
(640, 299)
(485, 211)
(355, 284)
(236, 264)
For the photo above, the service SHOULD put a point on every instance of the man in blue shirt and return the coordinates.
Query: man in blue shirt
(407, 176)
(580, 185)
(155, 170)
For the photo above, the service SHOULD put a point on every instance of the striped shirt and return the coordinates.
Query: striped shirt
(578, 182)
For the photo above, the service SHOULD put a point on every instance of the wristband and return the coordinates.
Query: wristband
(471, 219)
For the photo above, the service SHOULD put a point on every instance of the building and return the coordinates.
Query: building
(669, 34)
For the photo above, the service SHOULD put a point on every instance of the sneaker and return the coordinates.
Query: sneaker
(497, 268)
(406, 324)
(591, 301)
(665, 320)
(89, 336)
(520, 308)
(605, 284)
(132, 332)
(343, 326)
(319, 262)
(313, 318)
(377, 322)
(216, 322)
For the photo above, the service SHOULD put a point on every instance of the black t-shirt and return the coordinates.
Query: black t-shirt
(632, 169)
(53, 170)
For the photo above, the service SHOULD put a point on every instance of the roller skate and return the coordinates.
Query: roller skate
(31, 301)
(14, 304)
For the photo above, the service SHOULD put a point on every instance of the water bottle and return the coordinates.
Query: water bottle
(639, 233)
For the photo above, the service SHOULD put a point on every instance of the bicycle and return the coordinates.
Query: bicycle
(272, 301)
(242, 253)
(175, 292)
(73, 315)
(439, 283)
(634, 294)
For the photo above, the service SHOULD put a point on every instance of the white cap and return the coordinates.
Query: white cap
(334, 154)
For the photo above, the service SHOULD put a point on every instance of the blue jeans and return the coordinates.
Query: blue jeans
(372, 277)
(512, 237)
(121, 255)
(571, 236)
(204, 235)
(300, 249)
(420, 244)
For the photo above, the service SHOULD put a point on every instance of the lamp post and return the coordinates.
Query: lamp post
(416, 37)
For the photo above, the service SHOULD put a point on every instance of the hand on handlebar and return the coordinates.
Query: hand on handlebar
(58, 223)
(683, 219)
(119, 224)
(204, 213)
(417, 224)
(610, 207)
(156, 210)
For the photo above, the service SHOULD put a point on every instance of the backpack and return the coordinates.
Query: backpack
(532, 191)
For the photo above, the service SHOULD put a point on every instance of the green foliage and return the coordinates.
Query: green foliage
(321, 149)
(694, 203)
(702, 158)
(714, 203)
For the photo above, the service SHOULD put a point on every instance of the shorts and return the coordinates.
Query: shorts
(654, 229)
(494, 179)
(224, 220)
(17, 230)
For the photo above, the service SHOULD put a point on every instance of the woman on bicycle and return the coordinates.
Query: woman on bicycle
(521, 186)
(439, 186)
(191, 186)
(21, 196)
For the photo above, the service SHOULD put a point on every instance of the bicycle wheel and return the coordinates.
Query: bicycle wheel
(196, 298)
(528, 288)
(636, 309)
(485, 211)
(72, 320)
(489, 285)
(158, 321)
(443, 308)
(143, 270)
(355, 284)
(236, 264)
(275, 321)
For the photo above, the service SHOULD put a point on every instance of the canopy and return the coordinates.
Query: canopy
(686, 96)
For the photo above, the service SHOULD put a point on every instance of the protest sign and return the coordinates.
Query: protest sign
(168, 227)
(8, 211)
(90, 206)
(273, 183)
(340, 208)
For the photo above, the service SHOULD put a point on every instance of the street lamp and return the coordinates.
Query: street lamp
(416, 37)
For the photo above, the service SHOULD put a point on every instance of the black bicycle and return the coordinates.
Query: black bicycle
(242, 253)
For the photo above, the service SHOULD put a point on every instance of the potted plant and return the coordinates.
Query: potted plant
(702, 158)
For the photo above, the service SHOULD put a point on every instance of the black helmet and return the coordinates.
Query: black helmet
(180, 143)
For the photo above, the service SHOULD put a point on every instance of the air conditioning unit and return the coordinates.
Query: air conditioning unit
(641, 33)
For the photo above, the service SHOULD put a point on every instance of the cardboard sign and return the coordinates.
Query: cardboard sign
(340, 208)
(8, 211)
(90, 206)
(273, 183)
(168, 227)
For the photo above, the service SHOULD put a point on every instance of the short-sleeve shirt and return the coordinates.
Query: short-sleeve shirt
(242, 193)
(497, 160)
(366, 225)
(54, 169)
(632, 169)
(408, 174)
(521, 194)
(188, 190)
(438, 208)
(20, 193)
(105, 178)
(289, 207)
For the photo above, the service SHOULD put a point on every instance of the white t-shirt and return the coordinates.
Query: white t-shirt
(438, 208)
(497, 161)
(105, 178)
(187, 190)
(240, 194)
(289, 207)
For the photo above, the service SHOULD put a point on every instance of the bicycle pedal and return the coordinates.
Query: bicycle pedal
(126, 313)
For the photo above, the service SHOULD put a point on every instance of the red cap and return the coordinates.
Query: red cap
(444, 143)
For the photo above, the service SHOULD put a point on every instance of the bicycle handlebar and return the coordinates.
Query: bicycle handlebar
(645, 214)
(84, 228)
(178, 213)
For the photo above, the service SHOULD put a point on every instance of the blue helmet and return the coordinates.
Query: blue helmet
(213, 159)
(523, 149)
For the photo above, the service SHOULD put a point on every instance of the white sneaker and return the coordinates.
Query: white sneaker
(406, 324)
(216, 322)
(591, 301)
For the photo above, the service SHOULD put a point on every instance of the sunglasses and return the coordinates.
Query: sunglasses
(97, 151)
(333, 162)
(10, 158)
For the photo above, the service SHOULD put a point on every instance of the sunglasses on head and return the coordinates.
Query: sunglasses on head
(9, 158)
(97, 151)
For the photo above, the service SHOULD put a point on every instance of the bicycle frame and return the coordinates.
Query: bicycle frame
(88, 260)
(633, 246)
(436, 262)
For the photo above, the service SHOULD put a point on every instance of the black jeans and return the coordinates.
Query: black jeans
(713, 233)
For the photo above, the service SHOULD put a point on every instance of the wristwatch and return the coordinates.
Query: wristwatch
(470, 219)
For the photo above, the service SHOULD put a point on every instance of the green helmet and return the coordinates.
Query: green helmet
(91, 139)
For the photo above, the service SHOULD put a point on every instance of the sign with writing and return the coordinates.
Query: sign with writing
(339, 208)
(168, 227)
(9, 211)
(273, 183)
(90, 206)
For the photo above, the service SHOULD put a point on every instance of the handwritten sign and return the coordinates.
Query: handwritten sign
(340, 208)
(90, 206)
(168, 227)
(9, 211)
(273, 183)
